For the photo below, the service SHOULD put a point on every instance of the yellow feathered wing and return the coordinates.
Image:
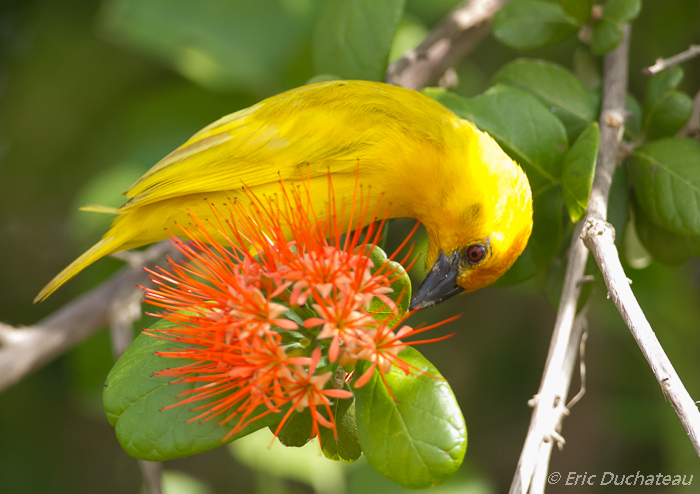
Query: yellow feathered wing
(342, 127)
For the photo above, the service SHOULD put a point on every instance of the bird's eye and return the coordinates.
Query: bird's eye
(476, 253)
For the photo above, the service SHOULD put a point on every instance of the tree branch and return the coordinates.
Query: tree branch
(29, 348)
(152, 474)
(549, 403)
(665, 63)
(599, 236)
(549, 409)
(125, 313)
(457, 35)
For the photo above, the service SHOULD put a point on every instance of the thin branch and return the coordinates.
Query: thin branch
(151, 471)
(548, 404)
(29, 348)
(612, 125)
(581, 367)
(125, 312)
(458, 34)
(549, 410)
(692, 126)
(599, 237)
(665, 63)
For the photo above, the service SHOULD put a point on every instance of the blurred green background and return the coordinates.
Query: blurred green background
(92, 94)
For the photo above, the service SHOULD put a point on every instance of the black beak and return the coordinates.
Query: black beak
(440, 284)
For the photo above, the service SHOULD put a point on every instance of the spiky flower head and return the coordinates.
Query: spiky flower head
(269, 301)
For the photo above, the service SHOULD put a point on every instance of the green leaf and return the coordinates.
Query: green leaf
(578, 9)
(296, 431)
(667, 115)
(401, 286)
(133, 400)
(529, 24)
(546, 226)
(353, 37)
(578, 172)
(419, 439)
(248, 45)
(606, 35)
(557, 88)
(665, 246)
(666, 179)
(660, 84)
(622, 10)
(347, 447)
(633, 124)
(521, 125)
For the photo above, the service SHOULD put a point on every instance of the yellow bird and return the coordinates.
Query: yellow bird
(423, 162)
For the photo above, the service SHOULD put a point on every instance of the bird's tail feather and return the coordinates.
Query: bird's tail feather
(102, 248)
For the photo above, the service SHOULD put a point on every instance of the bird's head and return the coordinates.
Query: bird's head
(481, 222)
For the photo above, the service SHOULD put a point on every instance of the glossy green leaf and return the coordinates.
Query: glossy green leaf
(665, 246)
(578, 172)
(578, 9)
(133, 400)
(526, 24)
(667, 115)
(665, 175)
(296, 431)
(660, 84)
(353, 37)
(419, 439)
(633, 124)
(347, 446)
(622, 10)
(546, 226)
(401, 286)
(245, 45)
(557, 88)
(521, 125)
(605, 36)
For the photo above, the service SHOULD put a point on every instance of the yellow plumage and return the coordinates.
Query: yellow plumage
(422, 160)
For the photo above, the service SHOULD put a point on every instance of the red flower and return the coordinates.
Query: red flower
(381, 346)
(232, 304)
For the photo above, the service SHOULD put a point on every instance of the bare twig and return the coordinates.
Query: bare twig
(26, 349)
(665, 63)
(599, 237)
(458, 34)
(151, 471)
(532, 468)
(692, 126)
(124, 313)
(548, 405)
(581, 367)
